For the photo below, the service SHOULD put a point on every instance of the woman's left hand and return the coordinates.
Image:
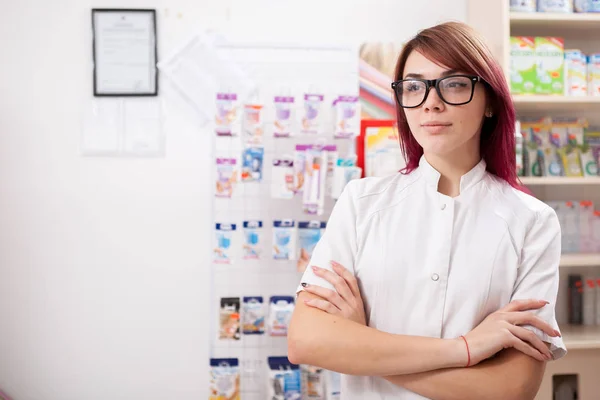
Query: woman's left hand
(345, 301)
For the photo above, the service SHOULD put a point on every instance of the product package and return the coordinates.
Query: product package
(555, 6)
(522, 65)
(590, 152)
(523, 5)
(300, 167)
(226, 176)
(253, 124)
(252, 164)
(344, 172)
(314, 385)
(252, 240)
(229, 317)
(347, 117)
(593, 77)
(581, 6)
(536, 136)
(315, 178)
(312, 117)
(575, 299)
(280, 314)
(309, 234)
(253, 316)
(565, 135)
(575, 73)
(224, 379)
(589, 300)
(596, 231)
(284, 380)
(224, 235)
(549, 54)
(586, 235)
(227, 118)
(519, 149)
(284, 111)
(282, 179)
(284, 243)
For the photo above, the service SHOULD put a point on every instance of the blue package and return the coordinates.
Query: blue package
(252, 164)
(284, 379)
(252, 232)
(283, 239)
(309, 234)
(223, 237)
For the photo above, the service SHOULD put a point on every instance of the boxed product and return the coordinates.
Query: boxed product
(523, 5)
(549, 54)
(575, 73)
(224, 379)
(555, 6)
(593, 74)
(522, 64)
(587, 5)
(580, 226)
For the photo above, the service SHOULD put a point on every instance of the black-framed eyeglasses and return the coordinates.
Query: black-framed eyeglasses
(455, 90)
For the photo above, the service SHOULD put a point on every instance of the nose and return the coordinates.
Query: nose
(433, 101)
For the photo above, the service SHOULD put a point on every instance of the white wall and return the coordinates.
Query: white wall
(104, 262)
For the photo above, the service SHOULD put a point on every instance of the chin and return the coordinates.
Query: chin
(439, 145)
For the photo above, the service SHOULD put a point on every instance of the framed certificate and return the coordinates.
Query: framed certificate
(124, 52)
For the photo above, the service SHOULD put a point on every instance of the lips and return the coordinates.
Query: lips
(435, 127)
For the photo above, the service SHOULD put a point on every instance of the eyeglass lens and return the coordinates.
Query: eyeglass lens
(453, 90)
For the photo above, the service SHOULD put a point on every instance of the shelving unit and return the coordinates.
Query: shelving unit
(493, 19)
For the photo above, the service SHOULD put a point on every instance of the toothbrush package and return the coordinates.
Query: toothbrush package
(284, 239)
(284, 110)
(227, 118)
(223, 237)
(347, 117)
(312, 116)
(252, 240)
(315, 178)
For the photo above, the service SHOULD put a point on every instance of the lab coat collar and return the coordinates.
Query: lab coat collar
(432, 176)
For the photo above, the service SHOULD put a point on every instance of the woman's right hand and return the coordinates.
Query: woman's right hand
(501, 330)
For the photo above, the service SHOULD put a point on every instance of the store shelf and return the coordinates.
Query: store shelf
(554, 103)
(579, 21)
(579, 337)
(558, 180)
(580, 260)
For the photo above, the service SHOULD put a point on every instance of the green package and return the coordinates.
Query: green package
(550, 55)
(522, 65)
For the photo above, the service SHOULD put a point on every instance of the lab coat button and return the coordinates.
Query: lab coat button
(443, 206)
(435, 277)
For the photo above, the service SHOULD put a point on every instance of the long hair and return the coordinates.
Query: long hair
(459, 47)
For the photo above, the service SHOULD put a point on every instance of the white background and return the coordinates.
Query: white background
(104, 261)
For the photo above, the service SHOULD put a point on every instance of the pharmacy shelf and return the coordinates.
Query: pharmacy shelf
(554, 103)
(580, 260)
(559, 180)
(581, 337)
(575, 21)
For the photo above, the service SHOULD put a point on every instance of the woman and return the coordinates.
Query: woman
(445, 265)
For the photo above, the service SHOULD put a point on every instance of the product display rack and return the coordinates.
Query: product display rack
(580, 31)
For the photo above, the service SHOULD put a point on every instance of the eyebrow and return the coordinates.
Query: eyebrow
(420, 76)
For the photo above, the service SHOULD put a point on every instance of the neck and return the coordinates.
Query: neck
(451, 168)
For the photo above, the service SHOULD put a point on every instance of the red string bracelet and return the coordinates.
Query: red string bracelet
(468, 351)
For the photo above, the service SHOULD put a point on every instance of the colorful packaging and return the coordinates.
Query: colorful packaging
(282, 179)
(555, 6)
(523, 5)
(522, 65)
(252, 123)
(565, 134)
(253, 316)
(593, 76)
(314, 381)
(229, 317)
(252, 241)
(575, 73)
(311, 118)
(300, 167)
(549, 54)
(284, 380)
(593, 6)
(224, 234)
(590, 152)
(284, 243)
(284, 109)
(570, 230)
(347, 117)
(226, 176)
(224, 379)
(252, 164)
(315, 178)
(309, 234)
(587, 5)
(586, 237)
(227, 116)
(536, 133)
(280, 314)
(589, 300)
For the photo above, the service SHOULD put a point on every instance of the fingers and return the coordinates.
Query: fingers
(348, 277)
(337, 281)
(330, 295)
(524, 305)
(528, 350)
(324, 305)
(528, 336)
(531, 319)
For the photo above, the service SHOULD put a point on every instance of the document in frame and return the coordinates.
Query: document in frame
(125, 55)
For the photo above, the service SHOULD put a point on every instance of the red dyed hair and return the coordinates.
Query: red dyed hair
(459, 47)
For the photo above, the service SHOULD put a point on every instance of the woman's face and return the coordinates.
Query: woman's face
(443, 129)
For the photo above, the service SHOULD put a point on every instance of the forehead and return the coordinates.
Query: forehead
(417, 63)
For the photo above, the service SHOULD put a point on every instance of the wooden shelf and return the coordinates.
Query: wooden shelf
(558, 180)
(582, 337)
(580, 260)
(576, 21)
